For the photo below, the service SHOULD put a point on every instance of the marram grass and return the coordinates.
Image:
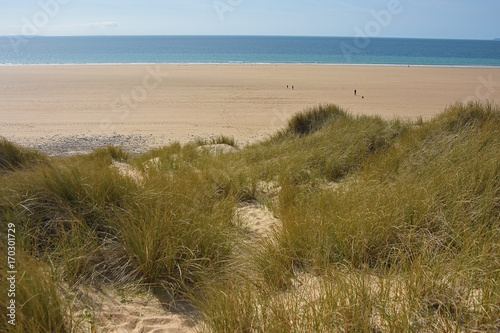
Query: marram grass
(386, 226)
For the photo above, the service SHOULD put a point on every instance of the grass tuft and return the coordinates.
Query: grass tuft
(312, 120)
(13, 157)
(221, 139)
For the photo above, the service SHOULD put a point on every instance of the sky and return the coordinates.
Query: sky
(455, 19)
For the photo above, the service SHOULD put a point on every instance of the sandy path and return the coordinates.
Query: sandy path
(151, 105)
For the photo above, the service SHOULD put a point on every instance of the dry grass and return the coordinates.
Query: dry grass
(385, 226)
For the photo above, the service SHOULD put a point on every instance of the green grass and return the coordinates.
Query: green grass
(38, 304)
(221, 139)
(13, 157)
(313, 120)
(386, 226)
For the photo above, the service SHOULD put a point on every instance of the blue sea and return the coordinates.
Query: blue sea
(29, 50)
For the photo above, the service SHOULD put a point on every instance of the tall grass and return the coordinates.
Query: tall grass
(14, 157)
(39, 307)
(437, 186)
(385, 225)
(312, 120)
(297, 156)
(97, 226)
(420, 212)
(221, 139)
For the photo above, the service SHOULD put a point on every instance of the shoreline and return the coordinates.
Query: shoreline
(249, 64)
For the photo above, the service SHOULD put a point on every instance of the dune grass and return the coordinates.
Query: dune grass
(96, 226)
(13, 157)
(218, 140)
(419, 217)
(386, 226)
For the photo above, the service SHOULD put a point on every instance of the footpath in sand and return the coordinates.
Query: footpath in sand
(66, 110)
(144, 313)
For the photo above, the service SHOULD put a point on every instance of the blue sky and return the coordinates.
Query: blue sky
(378, 18)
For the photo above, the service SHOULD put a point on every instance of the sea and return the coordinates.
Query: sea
(38, 50)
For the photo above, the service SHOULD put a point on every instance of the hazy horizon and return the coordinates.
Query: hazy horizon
(440, 19)
(196, 35)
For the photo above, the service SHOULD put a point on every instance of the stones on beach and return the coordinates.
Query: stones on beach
(63, 146)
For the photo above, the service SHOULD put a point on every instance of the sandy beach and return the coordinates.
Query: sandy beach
(64, 110)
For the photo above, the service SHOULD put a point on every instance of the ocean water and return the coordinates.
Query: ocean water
(16, 50)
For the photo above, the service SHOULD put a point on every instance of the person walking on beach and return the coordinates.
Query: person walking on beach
(354, 92)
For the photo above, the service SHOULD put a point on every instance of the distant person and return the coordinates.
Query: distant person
(355, 92)
(287, 86)
(293, 87)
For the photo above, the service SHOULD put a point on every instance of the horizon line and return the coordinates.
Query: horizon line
(270, 35)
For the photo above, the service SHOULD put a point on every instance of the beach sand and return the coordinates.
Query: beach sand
(64, 110)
